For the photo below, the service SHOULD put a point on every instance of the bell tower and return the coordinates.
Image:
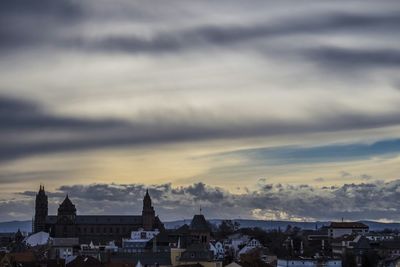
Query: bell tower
(41, 211)
(148, 213)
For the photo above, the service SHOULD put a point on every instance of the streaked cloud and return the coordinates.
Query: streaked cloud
(227, 92)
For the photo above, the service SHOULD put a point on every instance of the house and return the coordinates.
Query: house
(389, 248)
(218, 249)
(338, 229)
(233, 264)
(148, 258)
(234, 241)
(309, 262)
(196, 253)
(63, 247)
(390, 262)
(139, 240)
(380, 236)
(83, 261)
(22, 259)
(358, 244)
(253, 243)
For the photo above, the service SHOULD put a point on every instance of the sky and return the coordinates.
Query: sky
(282, 110)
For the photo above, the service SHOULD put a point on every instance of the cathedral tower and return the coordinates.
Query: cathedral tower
(41, 211)
(66, 212)
(148, 213)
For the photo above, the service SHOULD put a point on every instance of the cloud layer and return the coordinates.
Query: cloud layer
(221, 92)
(375, 200)
(21, 121)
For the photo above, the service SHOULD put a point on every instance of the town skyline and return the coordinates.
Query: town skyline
(261, 110)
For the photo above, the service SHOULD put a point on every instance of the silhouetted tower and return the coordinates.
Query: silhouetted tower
(148, 213)
(41, 211)
(66, 212)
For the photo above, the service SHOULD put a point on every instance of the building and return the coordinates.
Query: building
(99, 229)
(62, 248)
(139, 240)
(338, 229)
(199, 229)
(253, 243)
(41, 211)
(196, 253)
(308, 262)
(218, 249)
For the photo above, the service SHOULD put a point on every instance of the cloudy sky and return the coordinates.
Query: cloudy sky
(250, 109)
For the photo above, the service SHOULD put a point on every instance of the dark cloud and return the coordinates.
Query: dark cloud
(34, 23)
(20, 120)
(374, 200)
(233, 34)
(62, 13)
(345, 59)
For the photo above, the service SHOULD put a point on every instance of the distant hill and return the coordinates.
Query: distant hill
(268, 225)
(13, 226)
(26, 226)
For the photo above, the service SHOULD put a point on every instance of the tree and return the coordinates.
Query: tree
(226, 228)
(252, 258)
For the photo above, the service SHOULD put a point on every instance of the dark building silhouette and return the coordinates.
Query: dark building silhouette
(41, 211)
(148, 213)
(98, 229)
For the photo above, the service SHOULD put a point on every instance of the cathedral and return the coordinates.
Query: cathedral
(98, 229)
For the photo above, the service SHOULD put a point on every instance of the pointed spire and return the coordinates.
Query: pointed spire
(67, 206)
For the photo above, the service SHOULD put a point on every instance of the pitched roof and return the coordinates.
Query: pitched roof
(348, 225)
(233, 264)
(67, 205)
(197, 252)
(84, 261)
(145, 258)
(199, 223)
(23, 257)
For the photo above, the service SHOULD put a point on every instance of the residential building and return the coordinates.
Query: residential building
(338, 229)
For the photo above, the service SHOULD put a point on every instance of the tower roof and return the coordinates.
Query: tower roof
(147, 200)
(199, 223)
(41, 190)
(67, 205)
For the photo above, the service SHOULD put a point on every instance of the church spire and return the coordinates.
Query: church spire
(41, 210)
(148, 213)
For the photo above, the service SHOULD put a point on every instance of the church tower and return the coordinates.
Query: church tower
(148, 213)
(41, 211)
(66, 212)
